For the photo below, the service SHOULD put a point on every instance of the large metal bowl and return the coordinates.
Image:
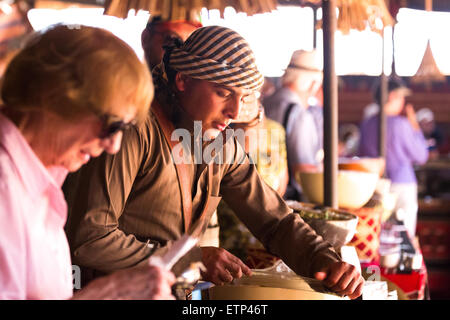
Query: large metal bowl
(355, 188)
(335, 226)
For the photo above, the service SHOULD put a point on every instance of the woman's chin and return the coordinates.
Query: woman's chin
(75, 164)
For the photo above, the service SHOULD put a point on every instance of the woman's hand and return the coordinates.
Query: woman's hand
(221, 266)
(139, 283)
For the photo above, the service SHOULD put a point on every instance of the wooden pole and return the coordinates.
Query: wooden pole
(315, 27)
(382, 114)
(330, 99)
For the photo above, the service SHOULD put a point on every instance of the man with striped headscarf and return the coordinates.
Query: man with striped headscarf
(129, 206)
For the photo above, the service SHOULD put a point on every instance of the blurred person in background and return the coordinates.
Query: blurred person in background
(264, 141)
(348, 143)
(289, 106)
(268, 88)
(405, 147)
(159, 32)
(68, 95)
(433, 135)
(316, 109)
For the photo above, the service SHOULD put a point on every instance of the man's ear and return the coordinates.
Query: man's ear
(180, 81)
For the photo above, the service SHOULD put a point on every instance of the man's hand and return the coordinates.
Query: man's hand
(221, 266)
(342, 278)
(138, 283)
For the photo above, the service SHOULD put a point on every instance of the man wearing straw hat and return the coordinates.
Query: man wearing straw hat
(170, 175)
(289, 106)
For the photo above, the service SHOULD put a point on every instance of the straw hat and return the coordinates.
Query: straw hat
(305, 61)
(304, 69)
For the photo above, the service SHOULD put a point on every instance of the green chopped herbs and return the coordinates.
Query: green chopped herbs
(325, 214)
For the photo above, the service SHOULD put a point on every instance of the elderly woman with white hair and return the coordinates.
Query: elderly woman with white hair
(68, 95)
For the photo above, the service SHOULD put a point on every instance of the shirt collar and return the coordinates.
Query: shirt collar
(36, 178)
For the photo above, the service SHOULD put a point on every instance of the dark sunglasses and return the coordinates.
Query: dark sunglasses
(113, 124)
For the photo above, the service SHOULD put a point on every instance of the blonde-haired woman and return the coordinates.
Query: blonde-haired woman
(68, 95)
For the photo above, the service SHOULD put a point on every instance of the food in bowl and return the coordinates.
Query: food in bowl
(335, 226)
(325, 214)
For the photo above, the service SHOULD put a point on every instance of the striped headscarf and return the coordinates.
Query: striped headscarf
(215, 54)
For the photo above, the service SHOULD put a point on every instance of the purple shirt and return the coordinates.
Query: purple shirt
(404, 147)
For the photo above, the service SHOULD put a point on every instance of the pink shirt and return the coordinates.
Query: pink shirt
(34, 253)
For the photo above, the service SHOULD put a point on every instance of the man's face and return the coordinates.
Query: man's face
(212, 104)
(396, 100)
(153, 40)
(427, 126)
